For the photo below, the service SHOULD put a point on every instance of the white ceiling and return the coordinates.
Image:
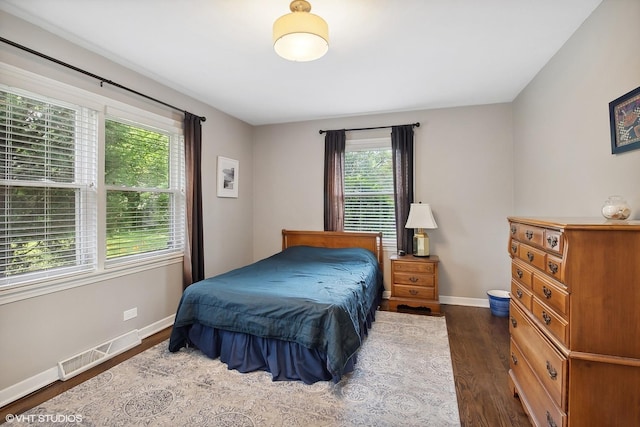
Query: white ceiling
(384, 55)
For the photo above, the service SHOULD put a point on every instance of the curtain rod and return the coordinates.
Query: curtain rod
(95, 76)
(416, 124)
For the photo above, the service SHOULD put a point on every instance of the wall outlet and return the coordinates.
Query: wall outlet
(130, 314)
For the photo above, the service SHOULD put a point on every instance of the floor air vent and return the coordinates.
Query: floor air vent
(90, 358)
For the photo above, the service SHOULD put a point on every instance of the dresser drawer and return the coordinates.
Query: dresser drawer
(548, 364)
(532, 394)
(521, 294)
(551, 321)
(555, 268)
(531, 234)
(414, 267)
(553, 294)
(533, 256)
(522, 273)
(514, 248)
(553, 241)
(417, 292)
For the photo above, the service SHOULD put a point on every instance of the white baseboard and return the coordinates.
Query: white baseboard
(43, 379)
(471, 302)
(156, 327)
(36, 382)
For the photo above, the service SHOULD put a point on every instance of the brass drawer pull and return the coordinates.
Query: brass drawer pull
(413, 292)
(514, 248)
(552, 241)
(546, 317)
(518, 293)
(514, 322)
(530, 256)
(514, 358)
(547, 292)
(553, 374)
(519, 273)
(553, 267)
(413, 279)
(529, 234)
(513, 229)
(550, 421)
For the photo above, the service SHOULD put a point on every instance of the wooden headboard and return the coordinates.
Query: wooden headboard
(335, 239)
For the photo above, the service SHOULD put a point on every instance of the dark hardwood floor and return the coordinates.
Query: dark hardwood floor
(479, 345)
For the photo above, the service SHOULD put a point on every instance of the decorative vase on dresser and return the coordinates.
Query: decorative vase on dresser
(414, 282)
(575, 320)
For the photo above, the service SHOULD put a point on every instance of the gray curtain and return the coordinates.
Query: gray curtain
(402, 152)
(334, 145)
(193, 267)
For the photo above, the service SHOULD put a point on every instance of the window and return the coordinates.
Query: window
(368, 188)
(144, 203)
(47, 191)
(53, 206)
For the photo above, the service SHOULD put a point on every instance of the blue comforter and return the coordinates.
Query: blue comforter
(316, 297)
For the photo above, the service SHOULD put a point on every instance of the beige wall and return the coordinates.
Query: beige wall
(548, 153)
(562, 144)
(38, 332)
(463, 169)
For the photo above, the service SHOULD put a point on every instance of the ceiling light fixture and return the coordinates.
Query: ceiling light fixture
(300, 36)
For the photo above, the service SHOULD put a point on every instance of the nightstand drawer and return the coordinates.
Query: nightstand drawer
(417, 292)
(414, 267)
(413, 279)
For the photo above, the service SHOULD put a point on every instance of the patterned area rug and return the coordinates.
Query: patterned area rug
(403, 377)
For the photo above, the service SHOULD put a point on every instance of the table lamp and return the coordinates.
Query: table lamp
(420, 218)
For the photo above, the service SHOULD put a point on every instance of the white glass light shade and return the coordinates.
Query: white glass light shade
(420, 216)
(300, 36)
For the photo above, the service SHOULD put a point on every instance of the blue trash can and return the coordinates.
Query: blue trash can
(499, 302)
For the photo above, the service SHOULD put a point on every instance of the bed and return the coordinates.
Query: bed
(300, 314)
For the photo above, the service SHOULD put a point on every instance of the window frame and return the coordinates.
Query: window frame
(19, 80)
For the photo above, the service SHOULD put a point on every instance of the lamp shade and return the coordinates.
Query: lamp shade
(300, 36)
(420, 216)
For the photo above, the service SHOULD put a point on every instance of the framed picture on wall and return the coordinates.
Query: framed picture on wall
(227, 177)
(624, 118)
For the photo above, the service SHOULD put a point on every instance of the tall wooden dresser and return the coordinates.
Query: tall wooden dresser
(575, 320)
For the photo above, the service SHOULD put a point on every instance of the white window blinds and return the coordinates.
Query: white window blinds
(47, 188)
(144, 181)
(368, 187)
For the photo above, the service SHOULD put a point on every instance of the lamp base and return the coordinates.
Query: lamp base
(420, 244)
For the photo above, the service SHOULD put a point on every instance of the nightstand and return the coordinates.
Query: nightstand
(414, 282)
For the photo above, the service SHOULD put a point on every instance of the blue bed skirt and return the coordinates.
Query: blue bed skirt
(286, 361)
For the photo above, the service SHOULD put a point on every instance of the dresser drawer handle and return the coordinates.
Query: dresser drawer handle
(513, 229)
(514, 358)
(519, 273)
(552, 241)
(553, 374)
(413, 279)
(514, 248)
(530, 256)
(529, 234)
(546, 317)
(514, 322)
(413, 292)
(547, 292)
(553, 267)
(550, 421)
(519, 293)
